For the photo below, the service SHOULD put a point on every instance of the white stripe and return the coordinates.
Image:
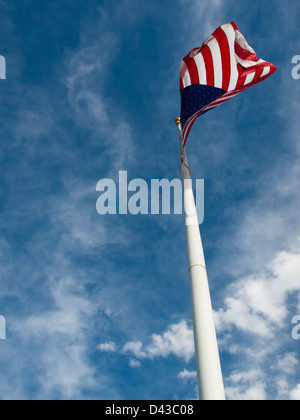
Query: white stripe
(249, 78)
(230, 94)
(185, 75)
(211, 107)
(234, 76)
(225, 97)
(208, 40)
(199, 60)
(217, 62)
(266, 71)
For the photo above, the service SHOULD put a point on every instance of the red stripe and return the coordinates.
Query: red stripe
(258, 73)
(221, 37)
(186, 134)
(186, 131)
(188, 126)
(242, 78)
(273, 69)
(191, 65)
(209, 65)
(234, 25)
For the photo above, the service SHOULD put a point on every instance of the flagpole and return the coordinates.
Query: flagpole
(209, 373)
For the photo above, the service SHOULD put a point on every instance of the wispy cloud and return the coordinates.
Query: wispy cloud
(92, 107)
(204, 17)
(54, 307)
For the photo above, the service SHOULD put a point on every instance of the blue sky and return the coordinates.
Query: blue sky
(99, 307)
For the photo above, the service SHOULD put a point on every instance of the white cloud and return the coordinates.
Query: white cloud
(256, 392)
(295, 393)
(258, 303)
(258, 307)
(135, 348)
(60, 340)
(177, 341)
(187, 375)
(246, 386)
(287, 363)
(66, 370)
(239, 314)
(134, 363)
(110, 346)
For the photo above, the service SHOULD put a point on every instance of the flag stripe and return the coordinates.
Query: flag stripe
(249, 78)
(225, 57)
(234, 25)
(217, 62)
(185, 75)
(242, 77)
(266, 71)
(200, 63)
(193, 71)
(229, 31)
(209, 65)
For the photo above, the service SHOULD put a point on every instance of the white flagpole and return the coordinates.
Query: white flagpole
(210, 380)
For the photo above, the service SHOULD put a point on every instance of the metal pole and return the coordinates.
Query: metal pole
(210, 380)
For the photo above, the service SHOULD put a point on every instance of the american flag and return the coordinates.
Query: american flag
(224, 66)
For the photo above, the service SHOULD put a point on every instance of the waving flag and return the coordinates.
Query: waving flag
(224, 66)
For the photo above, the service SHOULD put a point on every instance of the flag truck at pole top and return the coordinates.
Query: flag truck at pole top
(224, 66)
